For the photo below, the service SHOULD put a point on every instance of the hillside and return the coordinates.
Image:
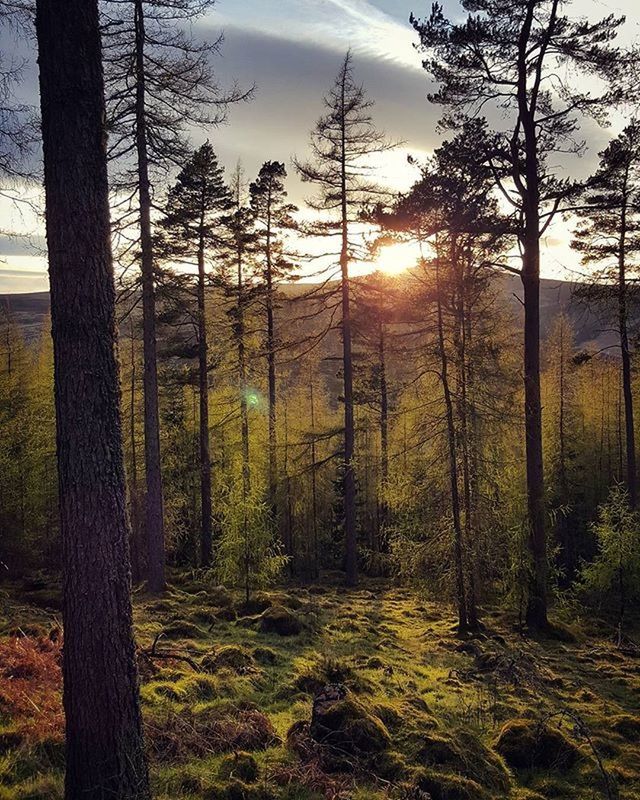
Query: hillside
(29, 311)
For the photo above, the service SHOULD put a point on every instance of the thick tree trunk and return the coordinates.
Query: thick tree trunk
(154, 512)
(206, 536)
(104, 744)
(536, 614)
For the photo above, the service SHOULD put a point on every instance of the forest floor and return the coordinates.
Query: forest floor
(403, 708)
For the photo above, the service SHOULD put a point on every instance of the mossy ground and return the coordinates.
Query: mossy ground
(217, 723)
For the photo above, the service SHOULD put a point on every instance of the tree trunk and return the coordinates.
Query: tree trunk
(458, 548)
(463, 326)
(242, 373)
(104, 743)
(626, 361)
(350, 532)
(384, 440)
(206, 537)
(271, 369)
(536, 614)
(314, 483)
(154, 513)
(137, 553)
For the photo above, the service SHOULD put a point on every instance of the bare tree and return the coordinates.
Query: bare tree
(159, 80)
(343, 145)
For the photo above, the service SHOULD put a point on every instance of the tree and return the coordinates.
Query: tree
(159, 80)
(242, 289)
(504, 59)
(608, 237)
(451, 210)
(273, 216)
(193, 227)
(376, 308)
(615, 572)
(343, 144)
(561, 439)
(104, 743)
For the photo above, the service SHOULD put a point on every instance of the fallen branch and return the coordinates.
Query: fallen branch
(152, 653)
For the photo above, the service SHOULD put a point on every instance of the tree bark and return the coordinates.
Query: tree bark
(154, 512)
(536, 614)
(104, 743)
(458, 545)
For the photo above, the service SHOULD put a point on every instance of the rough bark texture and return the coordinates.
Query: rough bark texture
(154, 511)
(536, 613)
(104, 746)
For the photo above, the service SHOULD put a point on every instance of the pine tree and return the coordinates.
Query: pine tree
(273, 216)
(608, 238)
(194, 229)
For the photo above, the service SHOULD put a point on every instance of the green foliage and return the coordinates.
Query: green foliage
(247, 554)
(614, 574)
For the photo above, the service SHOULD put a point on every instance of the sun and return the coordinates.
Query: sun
(393, 259)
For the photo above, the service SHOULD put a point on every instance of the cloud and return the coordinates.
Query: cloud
(291, 78)
(334, 24)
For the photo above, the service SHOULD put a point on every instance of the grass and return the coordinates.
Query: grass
(219, 724)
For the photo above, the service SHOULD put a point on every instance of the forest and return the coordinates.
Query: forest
(332, 498)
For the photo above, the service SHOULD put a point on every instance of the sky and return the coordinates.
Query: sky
(291, 50)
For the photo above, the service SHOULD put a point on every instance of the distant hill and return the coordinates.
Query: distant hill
(30, 310)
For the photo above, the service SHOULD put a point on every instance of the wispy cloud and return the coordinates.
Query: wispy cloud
(331, 24)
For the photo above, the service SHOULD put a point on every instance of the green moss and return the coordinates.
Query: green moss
(230, 656)
(281, 621)
(183, 629)
(527, 744)
(346, 725)
(201, 687)
(265, 656)
(443, 786)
